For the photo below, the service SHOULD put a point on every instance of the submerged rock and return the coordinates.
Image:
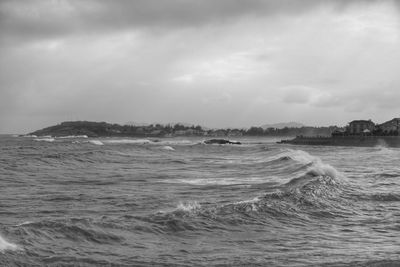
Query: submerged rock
(221, 142)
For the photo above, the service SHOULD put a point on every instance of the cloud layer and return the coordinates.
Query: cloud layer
(217, 63)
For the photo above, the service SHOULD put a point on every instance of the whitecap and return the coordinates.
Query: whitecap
(128, 141)
(23, 223)
(250, 201)
(4, 245)
(322, 169)
(30, 136)
(188, 206)
(168, 148)
(317, 167)
(73, 136)
(47, 139)
(252, 204)
(185, 207)
(301, 156)
(96, 142)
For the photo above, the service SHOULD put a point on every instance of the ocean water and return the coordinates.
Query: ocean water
(179, 202)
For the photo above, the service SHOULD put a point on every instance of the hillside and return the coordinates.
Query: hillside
(91, 129)
(103, 129)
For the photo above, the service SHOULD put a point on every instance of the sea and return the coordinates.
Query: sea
(79, 201)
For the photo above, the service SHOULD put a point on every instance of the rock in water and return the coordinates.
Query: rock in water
(221, 142)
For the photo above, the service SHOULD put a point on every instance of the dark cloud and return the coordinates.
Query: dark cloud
(46, 18)
(249, 61)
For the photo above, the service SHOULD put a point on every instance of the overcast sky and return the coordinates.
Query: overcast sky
(225, 63)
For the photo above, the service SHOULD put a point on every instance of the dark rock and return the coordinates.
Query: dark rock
(221, 142)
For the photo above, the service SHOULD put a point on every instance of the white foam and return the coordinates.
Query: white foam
(47, 139)
(4, 245)
(186, 207)
(189, 206)
(30, 136)
(23, 223)
(73, 136)
(318, 167)
(168, 148)
(96, 142)
(128, 141)
(252, 203)
(301, 156)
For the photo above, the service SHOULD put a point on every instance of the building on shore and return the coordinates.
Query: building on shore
(391, 127)
(358, 127)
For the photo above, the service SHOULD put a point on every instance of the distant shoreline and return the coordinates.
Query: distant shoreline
(104, 129)
(351, 140)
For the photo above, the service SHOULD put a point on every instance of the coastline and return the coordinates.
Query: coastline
(353, 140)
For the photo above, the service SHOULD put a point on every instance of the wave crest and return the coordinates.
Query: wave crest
(188, 207)
(96, 142)
(49, 139)
(169, 148)
(4, 245)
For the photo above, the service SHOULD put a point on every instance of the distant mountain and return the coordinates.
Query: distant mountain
(283, 125)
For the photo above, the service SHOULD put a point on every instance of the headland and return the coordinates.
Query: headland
(104, 129)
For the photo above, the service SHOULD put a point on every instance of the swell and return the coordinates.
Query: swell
(76, 230)
(317, 191)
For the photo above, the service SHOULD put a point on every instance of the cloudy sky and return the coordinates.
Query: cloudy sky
(225, 63)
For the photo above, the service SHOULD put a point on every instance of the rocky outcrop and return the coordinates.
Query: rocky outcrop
(90, 129)
(221, 142)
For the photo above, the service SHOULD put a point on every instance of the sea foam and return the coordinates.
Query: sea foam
(96, 142)
(188, 207)
(4, 245)
(168, 148)
(73, 136)
(47, 139)
(317, 167)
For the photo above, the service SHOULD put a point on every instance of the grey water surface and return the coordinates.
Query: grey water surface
(180, 202)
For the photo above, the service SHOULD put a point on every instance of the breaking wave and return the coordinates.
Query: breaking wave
(47, 139)
(4, 245)
(72, 136)
(96, 142)
(168, 148)
(188, 207)
(133, 202)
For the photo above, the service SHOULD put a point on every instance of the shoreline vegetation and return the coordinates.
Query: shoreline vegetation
(104, 129)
